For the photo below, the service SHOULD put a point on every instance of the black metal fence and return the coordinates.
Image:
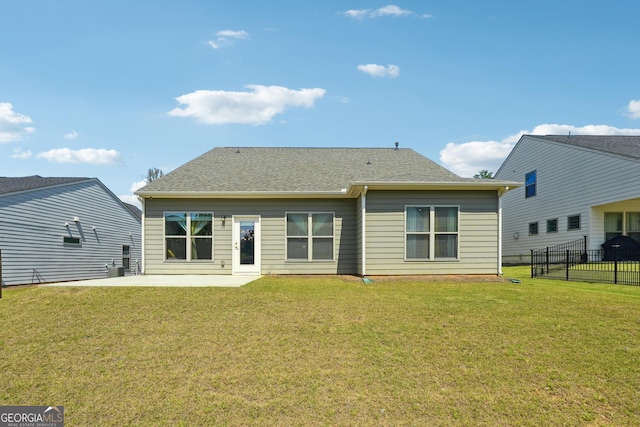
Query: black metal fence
(573, 261)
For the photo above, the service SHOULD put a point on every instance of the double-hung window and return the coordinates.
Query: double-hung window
(188, 235)
(431, 232)
(530, 182)
(310, 236)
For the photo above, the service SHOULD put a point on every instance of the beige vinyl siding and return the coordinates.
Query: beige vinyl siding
(478, 232)
(32, 230)
(273, 242)
(570, 181)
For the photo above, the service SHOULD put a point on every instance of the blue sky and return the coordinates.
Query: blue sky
(109, 89)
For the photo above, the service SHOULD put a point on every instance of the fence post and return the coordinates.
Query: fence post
(615, 263)
(567, 265)
(532, 264)
(546, 261)
(0, 273)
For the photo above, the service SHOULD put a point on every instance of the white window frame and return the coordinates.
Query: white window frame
(529, 185)
(432, 233)
(310, 236)
(71, 241)
(187, 236)
(579, 222)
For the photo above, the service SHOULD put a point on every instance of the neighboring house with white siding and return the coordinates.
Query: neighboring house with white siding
(575, 186)
(320, 211)
(63, 229)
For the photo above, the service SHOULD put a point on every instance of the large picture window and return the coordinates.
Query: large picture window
(612, 225)
(633, 225)
(310, 236)
(188, 235)
(431, 232)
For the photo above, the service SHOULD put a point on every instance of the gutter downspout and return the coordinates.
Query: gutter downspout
(500, 193)
(142, 234)
(363, 215)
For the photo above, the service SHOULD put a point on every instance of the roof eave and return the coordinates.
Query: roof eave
(240, 194)
(354, 189)
(487, 184)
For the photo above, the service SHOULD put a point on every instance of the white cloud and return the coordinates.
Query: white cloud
(468, 158)
(256, 106)
(71, 135)
(13, 125)
(137, 185)
(131, 199)
(376, 70)
(356, 13)
(633, 109)
(94, 156)
(389, 10)
(233, 34)
(19, 154)
(225, 38)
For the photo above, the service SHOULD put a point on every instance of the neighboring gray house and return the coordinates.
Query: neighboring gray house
(320, 211)
(61, 229)
(575, 186)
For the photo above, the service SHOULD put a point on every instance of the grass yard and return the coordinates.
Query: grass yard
(327, 351)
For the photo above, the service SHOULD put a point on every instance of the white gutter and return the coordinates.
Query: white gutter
(363, 198)
(143, 227)
(352, 191)
(500, 193)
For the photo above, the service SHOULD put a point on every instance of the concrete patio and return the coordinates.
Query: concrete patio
(165, 281)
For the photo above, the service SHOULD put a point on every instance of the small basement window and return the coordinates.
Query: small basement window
(68, 240)
(573, 222)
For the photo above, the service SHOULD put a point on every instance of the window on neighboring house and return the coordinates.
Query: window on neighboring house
(573, 222)
(431, 232)
(310, 236)
(612, 225)
(552, 225)
(633, 225)
(533, 228)
(188, 236)
(72, 241)
(530, 181)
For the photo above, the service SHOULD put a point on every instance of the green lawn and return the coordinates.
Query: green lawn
(327, 351)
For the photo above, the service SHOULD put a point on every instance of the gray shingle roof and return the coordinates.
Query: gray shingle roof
(15, 184)
(628, 146)
(229, 169)
(134, 209)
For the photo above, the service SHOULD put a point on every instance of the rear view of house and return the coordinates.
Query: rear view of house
(320, 211)
(61, 229)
